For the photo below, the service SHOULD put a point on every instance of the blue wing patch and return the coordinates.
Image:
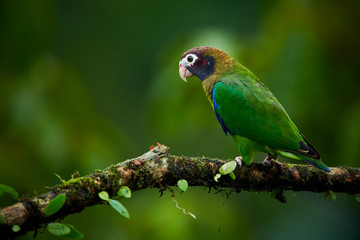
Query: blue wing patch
(217, 107)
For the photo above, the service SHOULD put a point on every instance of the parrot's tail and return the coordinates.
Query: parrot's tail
(315, 162)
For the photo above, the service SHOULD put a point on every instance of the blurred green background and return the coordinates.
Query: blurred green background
(85, 84)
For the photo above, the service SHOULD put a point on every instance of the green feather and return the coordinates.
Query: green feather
(251, 112)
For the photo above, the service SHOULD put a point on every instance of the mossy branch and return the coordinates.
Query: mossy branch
(158, 169)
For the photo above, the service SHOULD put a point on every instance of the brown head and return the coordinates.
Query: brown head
(203, 62)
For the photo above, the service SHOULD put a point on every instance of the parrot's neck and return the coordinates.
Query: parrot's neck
(222, 68)
(208, 86)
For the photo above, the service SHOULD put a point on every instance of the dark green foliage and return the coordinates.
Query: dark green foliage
(84, 85)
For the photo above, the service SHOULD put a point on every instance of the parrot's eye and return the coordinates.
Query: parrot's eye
(190, 59)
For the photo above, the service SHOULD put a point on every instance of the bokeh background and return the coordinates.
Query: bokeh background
(85, 84)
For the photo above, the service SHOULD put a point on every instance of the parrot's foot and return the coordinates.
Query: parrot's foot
(269, 160)
(239, 160)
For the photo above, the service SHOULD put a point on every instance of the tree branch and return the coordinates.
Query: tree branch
(158, 169)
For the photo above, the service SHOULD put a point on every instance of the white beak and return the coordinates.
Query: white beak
(184, 72)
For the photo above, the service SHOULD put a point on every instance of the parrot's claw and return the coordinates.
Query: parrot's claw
(239, 160)
(270, 160)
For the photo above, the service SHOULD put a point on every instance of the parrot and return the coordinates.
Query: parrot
(246, 109)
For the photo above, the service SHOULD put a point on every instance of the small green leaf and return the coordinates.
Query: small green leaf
(217, 176)
(232, 175)
(73, 232)
(227, 168)
(58, 229)
(330, 194)
(119, 207)
(183, 185)
(104, 196)
(15, 228)
(9, 190)
(124, 192)
(55, 204)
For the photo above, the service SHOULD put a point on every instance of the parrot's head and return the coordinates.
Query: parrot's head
(202, 62)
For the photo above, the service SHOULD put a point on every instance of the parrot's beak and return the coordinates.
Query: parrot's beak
(184, 72)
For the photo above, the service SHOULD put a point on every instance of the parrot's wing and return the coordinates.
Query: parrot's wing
(245, 107)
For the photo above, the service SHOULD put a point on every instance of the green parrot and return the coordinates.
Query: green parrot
(246, 109)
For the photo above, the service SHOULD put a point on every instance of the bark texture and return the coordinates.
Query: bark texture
(159, 169)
